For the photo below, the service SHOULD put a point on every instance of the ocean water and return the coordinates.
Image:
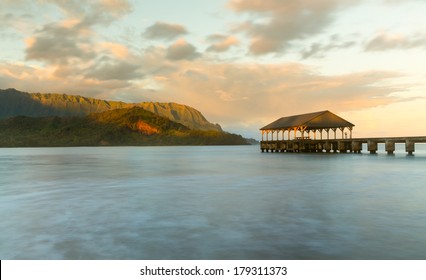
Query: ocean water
(219, 202)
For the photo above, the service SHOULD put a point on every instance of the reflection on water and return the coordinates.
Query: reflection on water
(210, 203)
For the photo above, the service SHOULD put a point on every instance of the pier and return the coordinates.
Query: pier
(353, 145)
(311, 133)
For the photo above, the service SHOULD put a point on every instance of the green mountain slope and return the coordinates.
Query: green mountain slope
(17, 103)
(129, 126)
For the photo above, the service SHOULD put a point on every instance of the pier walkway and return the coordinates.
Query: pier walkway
(354, 145)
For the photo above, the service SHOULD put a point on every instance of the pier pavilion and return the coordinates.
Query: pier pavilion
(301, 127)
(311, 133)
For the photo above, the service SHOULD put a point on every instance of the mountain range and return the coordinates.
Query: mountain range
(18, 103)
(44, 120)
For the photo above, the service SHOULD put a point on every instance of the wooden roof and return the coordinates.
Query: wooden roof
(317, 120)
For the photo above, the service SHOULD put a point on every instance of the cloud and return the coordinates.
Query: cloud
(34, 79)
(70, 52)
(274, 24)
(116, 8)
(155, 63)
(162, 30)
(73, 57)
(99, 11)
(10, 4)
(109, 69)
(389, 41)
(181, 50)
(118, 51)
(15, 24)
(57, 43)
(318, 50)
(221, 43)
(6, 19)
(23, 17)
(75, 8)
(72, 39)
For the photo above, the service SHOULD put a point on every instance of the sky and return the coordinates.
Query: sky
(242, 63)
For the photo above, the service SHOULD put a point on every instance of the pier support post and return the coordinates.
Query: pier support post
(327, 147)
(372, 147)
(296, 147)
(389, 147)
(341, 146)
(283, 146)
(409, 147)
(356, 146)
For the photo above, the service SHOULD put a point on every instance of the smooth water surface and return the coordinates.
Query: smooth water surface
(210, 203)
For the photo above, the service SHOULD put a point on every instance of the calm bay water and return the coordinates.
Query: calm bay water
(210, 203)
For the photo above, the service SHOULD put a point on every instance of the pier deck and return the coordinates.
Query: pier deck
(340, 145)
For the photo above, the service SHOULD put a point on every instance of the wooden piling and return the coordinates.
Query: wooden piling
(356, 146)
(341, 146)
(409, 147)
(372, 146)
(389, 147)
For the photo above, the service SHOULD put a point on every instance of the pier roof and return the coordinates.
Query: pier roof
(310, 121)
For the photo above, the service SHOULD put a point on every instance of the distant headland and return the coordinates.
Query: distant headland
(44, 120)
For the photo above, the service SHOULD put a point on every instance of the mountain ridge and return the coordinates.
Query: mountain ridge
(15, 103)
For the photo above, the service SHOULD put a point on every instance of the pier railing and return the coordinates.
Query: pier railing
(341, 145)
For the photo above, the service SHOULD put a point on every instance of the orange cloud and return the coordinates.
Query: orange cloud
(46, 79)
(117, 50)
(221, 43)
(256, 91)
